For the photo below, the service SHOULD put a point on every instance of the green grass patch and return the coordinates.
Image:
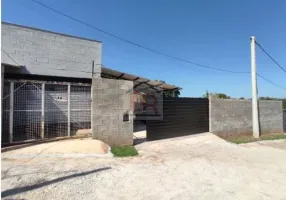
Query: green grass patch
(124, 151)
(247, 139)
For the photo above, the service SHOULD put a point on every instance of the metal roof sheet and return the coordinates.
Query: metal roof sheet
(110, 73)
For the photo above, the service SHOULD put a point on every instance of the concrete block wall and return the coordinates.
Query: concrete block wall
(229, 117)
(271, 116)
(284, 120)
(51, 54)
(111, 99)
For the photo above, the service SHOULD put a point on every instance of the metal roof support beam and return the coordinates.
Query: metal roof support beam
(109, 73)
(159, 85)
(121, 75)
(153, 87)
(144, 82)
(150, 86)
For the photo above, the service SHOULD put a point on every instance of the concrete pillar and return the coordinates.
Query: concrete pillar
(2, 93)
(112, 118)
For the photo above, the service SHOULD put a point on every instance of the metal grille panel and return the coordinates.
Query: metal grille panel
(26, 126)
(26, 111)
(5, 115)
(40, 109)
(56, 110)
(5, 127)
(80, 109)
(27, 96)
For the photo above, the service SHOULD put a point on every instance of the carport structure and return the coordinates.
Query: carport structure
(143, 87)
(115, 115)
(138, 80)
(120, 98)
(38, 108)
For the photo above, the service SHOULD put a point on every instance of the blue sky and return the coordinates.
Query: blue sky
(214, 33)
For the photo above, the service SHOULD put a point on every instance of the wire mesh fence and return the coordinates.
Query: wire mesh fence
(80, 109)
(26, 111)
(6, 113)
(56, 111)
(34, 110)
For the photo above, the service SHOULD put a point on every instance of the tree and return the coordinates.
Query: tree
(272, 98)
(171, 93)
(284, 103)
(206, 95)
(222, 96)
(267, 98)
(217, 95)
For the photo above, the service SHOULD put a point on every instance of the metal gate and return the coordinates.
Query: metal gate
(34, 110)
(181, 116)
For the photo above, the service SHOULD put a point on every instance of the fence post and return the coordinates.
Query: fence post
(11, 112)
(91, 99)
(43, 112)
(69, 109)
(91, 107)
(210, 98)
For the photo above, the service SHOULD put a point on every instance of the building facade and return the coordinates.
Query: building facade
(47, 53)
(47, 89)
(47, 83)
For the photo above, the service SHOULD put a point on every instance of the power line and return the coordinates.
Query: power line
(259, 45)
(157, 52)
(10, 57)
(45, 68)
(133, 43)
(269, 81)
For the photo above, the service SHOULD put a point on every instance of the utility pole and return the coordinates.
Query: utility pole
(255, 117)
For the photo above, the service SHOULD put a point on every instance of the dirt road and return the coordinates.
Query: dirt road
(196, 167)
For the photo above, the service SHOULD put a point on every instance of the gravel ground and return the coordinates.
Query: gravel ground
(280, 144)
(194, 167)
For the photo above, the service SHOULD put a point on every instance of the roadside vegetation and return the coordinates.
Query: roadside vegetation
(225, 96)
(249, 138)
(124, 151)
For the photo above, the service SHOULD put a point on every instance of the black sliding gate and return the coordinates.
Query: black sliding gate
(181, 116)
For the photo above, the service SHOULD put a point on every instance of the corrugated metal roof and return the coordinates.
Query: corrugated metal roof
(110, 73)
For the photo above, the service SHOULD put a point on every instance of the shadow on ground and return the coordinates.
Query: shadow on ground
(137, 141)
(43, 184)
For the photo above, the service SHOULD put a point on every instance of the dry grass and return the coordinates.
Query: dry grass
(249, 138)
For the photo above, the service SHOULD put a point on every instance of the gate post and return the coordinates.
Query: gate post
(69, 110)
(43, 112)
(11, 112)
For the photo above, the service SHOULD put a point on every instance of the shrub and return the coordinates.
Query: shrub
(124, 151)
